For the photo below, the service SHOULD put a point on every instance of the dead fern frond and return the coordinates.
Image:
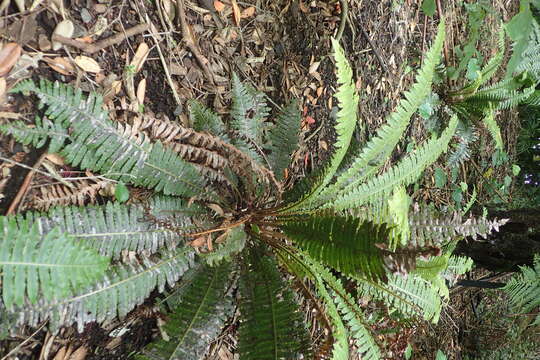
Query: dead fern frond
(82, 192)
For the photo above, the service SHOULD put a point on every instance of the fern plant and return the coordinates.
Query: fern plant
(220, 228)
(524, 289)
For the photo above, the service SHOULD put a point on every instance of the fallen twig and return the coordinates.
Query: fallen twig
(190, 42)
(373, 47)
(102, 44)
(25, 186)
(343, 19)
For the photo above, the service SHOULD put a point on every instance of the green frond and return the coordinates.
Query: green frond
(304, 188)
(411, 295)
(340, 349)
(376, 151)
(101, 145)
(271, 326)
(494, 63)
(346, 244)
(398, 211)
(37, 135)
(51, 266)
(123, 287)
(345, 124)
(457, 265)
(493, 128)
(234, 241)
(403, 173)
(284, 138)
(432, 270)
(204, 119)
(354, 317)
(114, 227)
(248, 110)
(197, 319)
(524, 289)
(519, 29)
(248, 113)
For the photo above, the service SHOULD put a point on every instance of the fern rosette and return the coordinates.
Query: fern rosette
(220, 229)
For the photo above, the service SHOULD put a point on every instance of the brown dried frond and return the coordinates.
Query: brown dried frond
(203, 149)
(83, 191)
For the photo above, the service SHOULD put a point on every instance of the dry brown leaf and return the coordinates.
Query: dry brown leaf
(236, 12)
(217, 209)
(198, 242)
(2, 90)
(248, 12)
(140, 56)
(141, 90)
(209, 243)
(64, 28)
(79, 354)
(9, 54)
(87, 64)
(116, 86)
(61, 65)
(219, 6)
(55, 159)
(61, 354)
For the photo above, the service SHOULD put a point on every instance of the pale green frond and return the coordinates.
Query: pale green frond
(375, 153)
(51, 266)
(123, 287)
(284, 138)
(233, 242)
(398, 211)
(432, 270)
(197, 319)
(271, 326)
(458, 265)
(493, 128)
(401, 174)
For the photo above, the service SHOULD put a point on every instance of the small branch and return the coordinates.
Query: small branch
(190, 42)
(343, 19)
(102, 44)
(227, 227)
(25, 186)
(373, 47)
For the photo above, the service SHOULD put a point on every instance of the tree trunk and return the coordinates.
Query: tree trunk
(513, 246)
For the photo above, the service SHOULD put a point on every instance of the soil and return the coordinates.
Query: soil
(283, 48)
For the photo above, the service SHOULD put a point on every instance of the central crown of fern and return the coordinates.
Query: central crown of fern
(220, 220)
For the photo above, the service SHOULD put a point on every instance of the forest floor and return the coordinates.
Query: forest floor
(283, 48)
